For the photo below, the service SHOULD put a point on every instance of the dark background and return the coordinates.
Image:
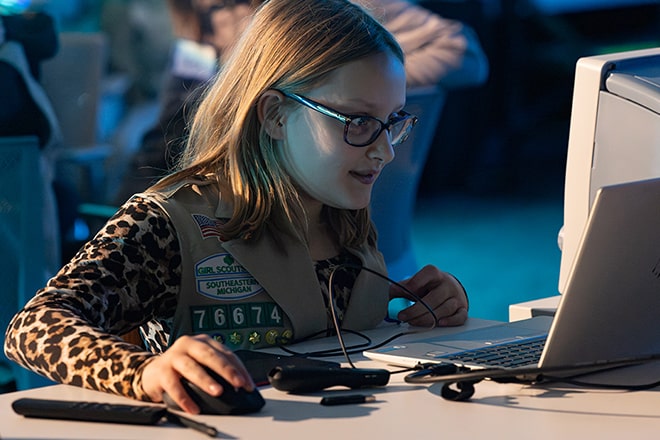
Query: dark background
(510, 135)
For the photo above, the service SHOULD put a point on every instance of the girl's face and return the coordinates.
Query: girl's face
(327, 169)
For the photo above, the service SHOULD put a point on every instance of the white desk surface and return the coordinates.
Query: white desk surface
(401, 411)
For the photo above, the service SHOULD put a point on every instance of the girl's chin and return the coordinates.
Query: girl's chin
(347, 201)
(353, 206)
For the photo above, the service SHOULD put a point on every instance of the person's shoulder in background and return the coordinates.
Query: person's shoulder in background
(438, 50)
(35, 32)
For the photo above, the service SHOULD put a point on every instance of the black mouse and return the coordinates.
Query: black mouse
(231, 401)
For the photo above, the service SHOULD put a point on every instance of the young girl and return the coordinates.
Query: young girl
(234, 249)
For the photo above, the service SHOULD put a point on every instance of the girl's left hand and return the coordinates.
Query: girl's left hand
(440, 291)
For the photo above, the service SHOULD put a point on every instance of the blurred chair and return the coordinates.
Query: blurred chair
(24, 262)
(73, 82)
(395, 193)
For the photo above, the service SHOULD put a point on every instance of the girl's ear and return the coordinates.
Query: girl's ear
(269, 111)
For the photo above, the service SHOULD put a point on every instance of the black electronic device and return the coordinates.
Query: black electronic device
(231, 401)
(89, 411)
(306, 379)
(259, 363)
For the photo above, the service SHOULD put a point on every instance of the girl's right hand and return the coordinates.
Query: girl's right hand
(185, 359)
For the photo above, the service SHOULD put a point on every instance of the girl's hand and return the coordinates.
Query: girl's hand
(186, 358)
(440, 291)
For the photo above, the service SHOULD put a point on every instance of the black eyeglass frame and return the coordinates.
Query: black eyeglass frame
(348, 119)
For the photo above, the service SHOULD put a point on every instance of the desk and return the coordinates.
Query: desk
(401, 411)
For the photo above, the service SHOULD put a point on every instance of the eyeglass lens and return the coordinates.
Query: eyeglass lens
(365, 130)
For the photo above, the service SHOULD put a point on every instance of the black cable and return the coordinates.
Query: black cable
(331, 299)
(465, 378)
(356, 348)
(580, 383)
(335, 320)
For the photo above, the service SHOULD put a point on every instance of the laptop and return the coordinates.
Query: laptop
(610, 309)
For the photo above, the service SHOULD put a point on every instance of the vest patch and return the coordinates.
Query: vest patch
(221, 277)
(208, 227)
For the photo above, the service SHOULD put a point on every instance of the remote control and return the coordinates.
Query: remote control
(89, 411)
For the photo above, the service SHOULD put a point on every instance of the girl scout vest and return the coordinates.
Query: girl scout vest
(257, 293)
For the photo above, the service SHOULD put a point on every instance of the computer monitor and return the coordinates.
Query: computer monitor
(614, 135)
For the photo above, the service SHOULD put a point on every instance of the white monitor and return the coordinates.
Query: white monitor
(614, 135)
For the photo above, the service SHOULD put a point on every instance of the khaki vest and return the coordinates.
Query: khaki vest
(258, 293)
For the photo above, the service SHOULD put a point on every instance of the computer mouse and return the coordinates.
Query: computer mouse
(230, 402)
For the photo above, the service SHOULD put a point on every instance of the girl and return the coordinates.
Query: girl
(235, 248)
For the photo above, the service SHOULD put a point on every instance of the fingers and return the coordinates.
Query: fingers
(457, 318)
(161, 376)
(437, 291)
(426, 279)
(171, 384)
(187, 358)
(446, 313)
(220, 359)
(428, 273)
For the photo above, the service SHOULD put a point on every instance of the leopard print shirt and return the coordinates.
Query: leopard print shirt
(128, 275)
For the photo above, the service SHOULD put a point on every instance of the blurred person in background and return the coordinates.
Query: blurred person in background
(27, 38)
(438, 51)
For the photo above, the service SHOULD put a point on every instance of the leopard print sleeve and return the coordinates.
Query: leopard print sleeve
(127, 275)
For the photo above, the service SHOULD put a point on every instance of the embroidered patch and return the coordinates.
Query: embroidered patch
(220, 276)
(208, 227)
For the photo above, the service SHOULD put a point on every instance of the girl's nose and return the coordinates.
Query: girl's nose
(381, 148)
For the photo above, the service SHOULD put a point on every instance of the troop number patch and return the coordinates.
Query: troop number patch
(235, 316)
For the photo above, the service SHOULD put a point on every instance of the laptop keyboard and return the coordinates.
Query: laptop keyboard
(510, 355)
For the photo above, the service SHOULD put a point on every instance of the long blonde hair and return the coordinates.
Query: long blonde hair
(290, 45)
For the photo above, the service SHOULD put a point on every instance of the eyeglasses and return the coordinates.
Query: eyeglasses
(360, 131)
